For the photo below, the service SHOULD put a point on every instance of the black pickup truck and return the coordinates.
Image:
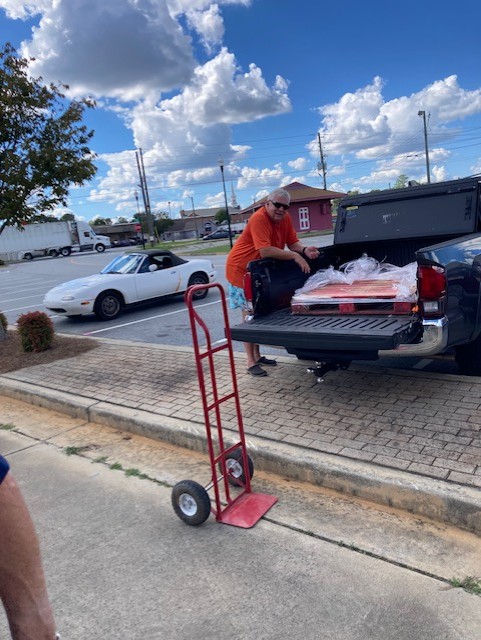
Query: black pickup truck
(436, 225)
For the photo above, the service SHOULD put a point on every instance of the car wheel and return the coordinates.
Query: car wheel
(28, 256)
(191, 502)
(65, 251)
(108, 305)
(199, 278)
(53, 253)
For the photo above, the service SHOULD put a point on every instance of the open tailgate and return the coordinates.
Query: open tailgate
(328, 333)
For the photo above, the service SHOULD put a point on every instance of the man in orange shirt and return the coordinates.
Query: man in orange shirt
(269, 230)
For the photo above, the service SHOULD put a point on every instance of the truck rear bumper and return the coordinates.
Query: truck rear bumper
(434, 340)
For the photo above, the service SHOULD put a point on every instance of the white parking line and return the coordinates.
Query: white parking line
(162, 315)
(33, 295)
(21, 308)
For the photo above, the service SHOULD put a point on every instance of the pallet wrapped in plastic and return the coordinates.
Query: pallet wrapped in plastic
(362, 286)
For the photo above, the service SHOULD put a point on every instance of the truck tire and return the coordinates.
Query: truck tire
(100, 248)
(65, 251)
(53, 253)
(109, 305)
(468, 358)
(28, 256)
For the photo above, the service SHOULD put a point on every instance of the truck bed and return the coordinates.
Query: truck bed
(314, 337)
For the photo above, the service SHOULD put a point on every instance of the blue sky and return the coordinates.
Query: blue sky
(253, 82)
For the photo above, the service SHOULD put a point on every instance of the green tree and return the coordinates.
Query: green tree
(162, 223)
(401, 182)
(122, 220)
(100, 222)
(221, 216)
(43, 217)
(43, 143)
(67, 217)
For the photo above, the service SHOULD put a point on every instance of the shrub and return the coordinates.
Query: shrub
(36, 331)
(3, 321)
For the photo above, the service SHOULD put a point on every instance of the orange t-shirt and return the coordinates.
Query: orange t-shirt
(260, 232)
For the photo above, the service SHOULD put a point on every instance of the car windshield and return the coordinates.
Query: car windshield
(128, 263)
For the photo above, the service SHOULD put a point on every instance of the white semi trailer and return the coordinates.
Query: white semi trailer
(49, 239)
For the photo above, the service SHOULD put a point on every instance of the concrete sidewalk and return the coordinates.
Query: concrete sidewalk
(408, 440)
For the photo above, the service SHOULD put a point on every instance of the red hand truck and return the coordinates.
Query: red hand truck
(231, 465)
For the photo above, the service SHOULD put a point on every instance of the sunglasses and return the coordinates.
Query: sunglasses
(280, 205)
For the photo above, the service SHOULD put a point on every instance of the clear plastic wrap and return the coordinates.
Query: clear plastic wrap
(364, 280)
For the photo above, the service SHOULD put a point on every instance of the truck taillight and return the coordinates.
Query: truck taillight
(431, 289)
(248, 287)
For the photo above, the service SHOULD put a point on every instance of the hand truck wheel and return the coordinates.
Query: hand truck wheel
(191, 502)
(235, 470)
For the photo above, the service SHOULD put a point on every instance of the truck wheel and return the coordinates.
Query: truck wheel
(199, 278)
(468, 358)
(65, 251)
(28, 256)
(191, 502)
(100, 248)
(108, 305)
(235, 470)
(53, 253)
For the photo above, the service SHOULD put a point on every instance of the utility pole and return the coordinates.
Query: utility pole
(423, 115)
(140, 220)
(221, 165)
(322, 164)
(145, 193)
(194, 216)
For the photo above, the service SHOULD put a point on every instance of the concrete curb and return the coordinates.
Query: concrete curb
(450, 503)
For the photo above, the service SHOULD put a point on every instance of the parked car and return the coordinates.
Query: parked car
(215, 235)
(129, 279)
(126, 242)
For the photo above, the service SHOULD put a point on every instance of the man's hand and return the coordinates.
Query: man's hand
(311, 252)
(299, 260)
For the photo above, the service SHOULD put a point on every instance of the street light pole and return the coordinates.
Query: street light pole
(194, 216)
(423, 115)
(221, 165)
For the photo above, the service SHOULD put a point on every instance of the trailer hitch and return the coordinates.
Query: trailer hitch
(322, 368)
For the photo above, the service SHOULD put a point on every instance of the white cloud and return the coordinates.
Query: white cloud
(299, 164)
(16, 9)
(114, 48)
(208, 24)
(365, 124)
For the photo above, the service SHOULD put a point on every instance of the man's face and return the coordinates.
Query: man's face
(278, 209)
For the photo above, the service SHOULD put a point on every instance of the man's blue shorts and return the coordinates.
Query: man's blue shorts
(3, 468)
(237, 299)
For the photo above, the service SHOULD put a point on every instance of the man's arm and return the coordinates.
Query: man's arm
(309, 252)
(284, 254)
(22, 582)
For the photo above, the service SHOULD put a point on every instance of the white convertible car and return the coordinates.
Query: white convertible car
(128, 279)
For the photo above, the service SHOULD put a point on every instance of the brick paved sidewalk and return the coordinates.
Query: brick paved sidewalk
(427, 424)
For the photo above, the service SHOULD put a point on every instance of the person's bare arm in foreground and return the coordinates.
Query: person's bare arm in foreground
(22, 582)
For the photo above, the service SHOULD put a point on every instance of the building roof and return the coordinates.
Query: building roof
(299, 193)
(206, 213)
